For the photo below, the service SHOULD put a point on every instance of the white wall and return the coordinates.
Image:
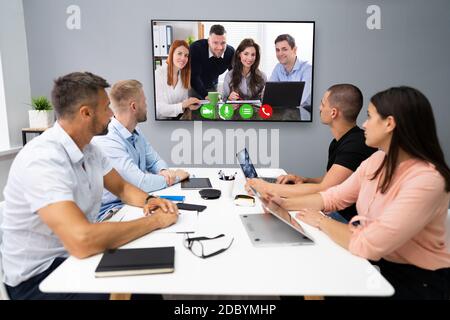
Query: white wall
(4, 133)
(16, 78)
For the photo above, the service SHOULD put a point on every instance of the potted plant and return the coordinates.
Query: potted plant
(42, 115)
(190, 39)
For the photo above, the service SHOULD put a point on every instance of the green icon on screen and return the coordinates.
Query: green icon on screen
(207, 111)
(226, 111)
(246, 111)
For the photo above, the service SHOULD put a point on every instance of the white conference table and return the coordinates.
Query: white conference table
(322, 269)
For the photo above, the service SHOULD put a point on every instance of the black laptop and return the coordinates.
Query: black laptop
(283, 94)
(247, 166)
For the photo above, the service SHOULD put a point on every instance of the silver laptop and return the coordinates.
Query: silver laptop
(276, 228)
(247, 166)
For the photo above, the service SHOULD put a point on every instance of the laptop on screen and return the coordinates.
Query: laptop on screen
(283, 94)
(247, 166)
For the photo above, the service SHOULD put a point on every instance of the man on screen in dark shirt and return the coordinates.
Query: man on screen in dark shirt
(209, 59)
(339, 110)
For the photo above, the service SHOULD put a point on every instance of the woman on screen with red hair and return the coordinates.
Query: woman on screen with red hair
(172, 82)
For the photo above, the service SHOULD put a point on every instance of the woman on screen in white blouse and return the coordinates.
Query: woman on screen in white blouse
(245, 81)
(172, 82)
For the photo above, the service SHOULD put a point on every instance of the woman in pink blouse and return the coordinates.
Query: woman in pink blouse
(402, 198)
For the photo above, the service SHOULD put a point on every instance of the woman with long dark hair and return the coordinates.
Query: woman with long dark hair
(402, 197)
(245, 81)
(172, 82)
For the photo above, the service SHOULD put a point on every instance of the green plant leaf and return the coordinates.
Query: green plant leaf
(41, 103)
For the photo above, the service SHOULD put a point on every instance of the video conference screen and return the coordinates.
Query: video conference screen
(233, 70)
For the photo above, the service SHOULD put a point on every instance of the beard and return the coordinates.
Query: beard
(103, 131)
(142, 117)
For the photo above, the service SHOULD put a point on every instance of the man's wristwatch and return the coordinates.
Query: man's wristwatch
(150, 196)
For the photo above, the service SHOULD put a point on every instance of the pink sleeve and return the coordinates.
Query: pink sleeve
(345, 194)
(418, 199)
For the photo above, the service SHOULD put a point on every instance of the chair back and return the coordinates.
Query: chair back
(3, 293)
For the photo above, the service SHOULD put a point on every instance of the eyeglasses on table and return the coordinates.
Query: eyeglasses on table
(197, 247)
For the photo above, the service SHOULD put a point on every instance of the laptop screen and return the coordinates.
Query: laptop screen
(246, 164)
(283, 94)
(286, 217)
(283, 215)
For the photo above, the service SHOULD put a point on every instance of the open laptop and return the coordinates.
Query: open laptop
(274, 229)
(279, 94)
(283, 94)
(247, 166)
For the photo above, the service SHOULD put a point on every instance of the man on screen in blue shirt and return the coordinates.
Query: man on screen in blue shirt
(128, 150)
(291, 68)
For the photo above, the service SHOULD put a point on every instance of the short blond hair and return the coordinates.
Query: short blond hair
(122, 91)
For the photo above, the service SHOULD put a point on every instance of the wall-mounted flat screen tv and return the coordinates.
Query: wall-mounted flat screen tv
(233, 70)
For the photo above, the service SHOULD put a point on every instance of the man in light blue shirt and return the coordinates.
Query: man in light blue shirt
(128, 150)
(291, 68)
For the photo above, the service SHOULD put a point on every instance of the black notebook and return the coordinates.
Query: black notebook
(126, 262)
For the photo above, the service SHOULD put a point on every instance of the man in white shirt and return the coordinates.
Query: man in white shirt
(54, 190)
(128, 150)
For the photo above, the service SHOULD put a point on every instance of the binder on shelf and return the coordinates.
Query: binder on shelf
(156, 41)
(162, 40)
(169, 37)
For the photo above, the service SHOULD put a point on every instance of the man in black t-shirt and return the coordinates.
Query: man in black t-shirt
(349, 151)
(209, 59)
(339, 110)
